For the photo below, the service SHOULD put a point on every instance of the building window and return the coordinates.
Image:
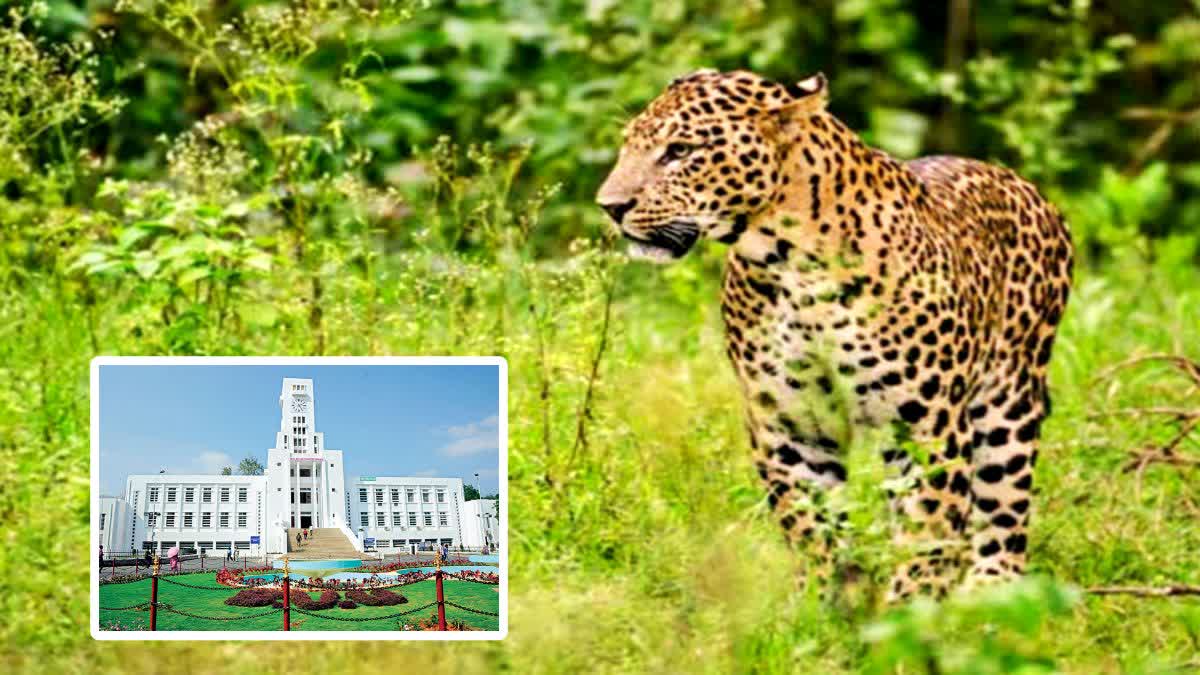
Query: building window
(378, 495)
(222, 546)
(224, 494)
(151, 519)
(425, 496)
(362, 494)
(206, 496)
(242, 520)
(242, 545)
(170, 520)
(306, 473)
(364, 519)
(317, 442)
(441, 496)
(187, 520)
(410, 496)
(306, 496)
(242, 495)
(395, 496)
(380, 521)
(397, 520)
(442, 520)
(428, 520)
(189, 495)
(397, 543)
(102, 520)
(171, 494)
(153, 494)
(224, 520)
(205, 520)
(412, 520)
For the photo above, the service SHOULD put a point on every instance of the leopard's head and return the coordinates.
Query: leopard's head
(703, 159)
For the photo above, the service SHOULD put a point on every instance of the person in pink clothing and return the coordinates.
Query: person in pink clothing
(173, 556)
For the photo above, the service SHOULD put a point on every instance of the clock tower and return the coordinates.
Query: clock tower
(305, 480)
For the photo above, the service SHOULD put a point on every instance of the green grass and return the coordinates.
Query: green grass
(648, 547)
(212, 603)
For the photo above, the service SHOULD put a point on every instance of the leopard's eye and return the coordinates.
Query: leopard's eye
(676, 151)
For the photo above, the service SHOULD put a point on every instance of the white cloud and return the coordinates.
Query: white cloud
(472, 438)
(208, 461)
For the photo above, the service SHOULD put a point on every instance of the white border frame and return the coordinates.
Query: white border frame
(94, 517)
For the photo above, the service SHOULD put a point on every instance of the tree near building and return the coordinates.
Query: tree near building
(227, 471)
(250, 467)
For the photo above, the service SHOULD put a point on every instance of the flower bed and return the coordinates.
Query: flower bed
(256, 597)
(303, 600)
(379, 597)
(486, 577)
(392, 567)
(235, 578)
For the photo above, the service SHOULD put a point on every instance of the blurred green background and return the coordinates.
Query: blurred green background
(387, 177)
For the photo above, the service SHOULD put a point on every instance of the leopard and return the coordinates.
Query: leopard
(918, 297)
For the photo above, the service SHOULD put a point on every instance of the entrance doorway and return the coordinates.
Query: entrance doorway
(306, 521)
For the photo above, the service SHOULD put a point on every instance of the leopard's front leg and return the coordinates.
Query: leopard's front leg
(800, 478)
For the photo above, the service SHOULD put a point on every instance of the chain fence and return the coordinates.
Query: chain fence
(471, 609)
(173, 610)
(202, 588)
(365, 618)
(303, 586)
(140, 605)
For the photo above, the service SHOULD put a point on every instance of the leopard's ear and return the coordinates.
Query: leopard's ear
(808, 96)
(815, 85)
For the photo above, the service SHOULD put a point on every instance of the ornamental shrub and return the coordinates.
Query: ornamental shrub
(256, 597)
(379, 597)
(326, 600)
(347, 604)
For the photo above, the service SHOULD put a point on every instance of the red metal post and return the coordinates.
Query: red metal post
(287, 624)
(441, 601)
(154, 596)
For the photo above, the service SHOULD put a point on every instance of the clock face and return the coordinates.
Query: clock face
(299, 405)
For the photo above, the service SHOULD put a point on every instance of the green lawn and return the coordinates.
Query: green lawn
(212, 603)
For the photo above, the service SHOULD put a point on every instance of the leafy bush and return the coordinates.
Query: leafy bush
(378, 597)
(347, 604)
(327, 599)
(255, 597)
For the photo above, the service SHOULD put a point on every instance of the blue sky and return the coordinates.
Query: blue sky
(389, 420)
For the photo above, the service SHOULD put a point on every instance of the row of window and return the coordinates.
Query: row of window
(402, 543)
(197, 545)
(410, 495)
(188, 520)
(206, 494)
(398, 519)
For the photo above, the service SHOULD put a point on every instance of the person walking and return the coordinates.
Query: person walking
(297, 540)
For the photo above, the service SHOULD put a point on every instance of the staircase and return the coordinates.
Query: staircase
(323, 543)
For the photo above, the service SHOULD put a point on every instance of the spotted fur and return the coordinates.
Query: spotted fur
(927, 292)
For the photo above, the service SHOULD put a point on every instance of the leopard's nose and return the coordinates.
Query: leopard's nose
(617, 210)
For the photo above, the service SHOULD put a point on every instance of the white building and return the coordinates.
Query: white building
(114, 524)
(481, 523)
(303, 486)
(400, 511)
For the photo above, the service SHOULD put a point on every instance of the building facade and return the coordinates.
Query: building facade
(481, 523)
(303, 485)
(399, 512)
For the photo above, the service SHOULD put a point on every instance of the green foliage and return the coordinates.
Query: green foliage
(353, 177)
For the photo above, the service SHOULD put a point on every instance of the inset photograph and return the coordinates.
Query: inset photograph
(298, 498)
